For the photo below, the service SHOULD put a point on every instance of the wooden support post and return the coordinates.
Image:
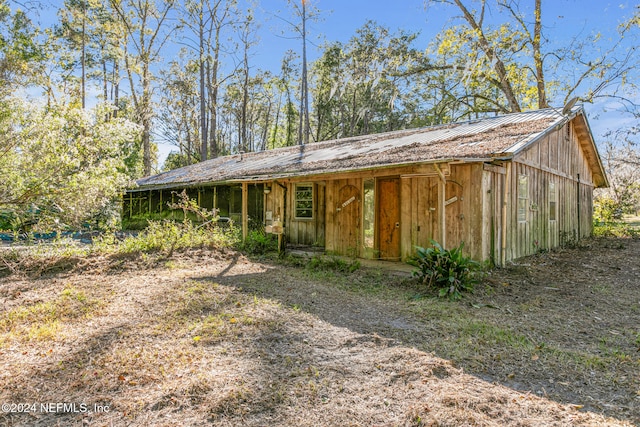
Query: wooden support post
(150, 198)
(505, 226)
(245, 209)
(130, 205)
(442, 214)
(407, 228)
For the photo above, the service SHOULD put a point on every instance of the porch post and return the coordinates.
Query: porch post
(245, 208)
(442, 215)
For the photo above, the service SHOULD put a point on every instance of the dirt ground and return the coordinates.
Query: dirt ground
(212, 337)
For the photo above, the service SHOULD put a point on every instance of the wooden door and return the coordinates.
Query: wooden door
(454, 214)
(425, 200)
(348, 221)
(389, 218)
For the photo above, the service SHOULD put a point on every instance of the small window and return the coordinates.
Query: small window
(304, 201)
(553, 197)
(523, 197)
(369, 213)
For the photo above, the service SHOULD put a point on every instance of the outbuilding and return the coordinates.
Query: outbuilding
(506, 186)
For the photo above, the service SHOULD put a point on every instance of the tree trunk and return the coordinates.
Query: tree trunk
(499, 68)
(537, 57)
(204, 133)
(83, 57)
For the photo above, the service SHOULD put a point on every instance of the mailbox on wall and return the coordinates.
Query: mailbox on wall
(277, 228)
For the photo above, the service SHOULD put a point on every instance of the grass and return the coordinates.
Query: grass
(45, 320)
(228, 341)
(623, 229)
(168, 236)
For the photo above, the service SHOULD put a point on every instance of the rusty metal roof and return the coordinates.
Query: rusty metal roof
(486, 138)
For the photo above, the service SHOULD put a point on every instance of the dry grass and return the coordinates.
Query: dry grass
(207, 337)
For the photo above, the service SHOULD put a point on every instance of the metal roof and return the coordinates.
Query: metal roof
(486, 138)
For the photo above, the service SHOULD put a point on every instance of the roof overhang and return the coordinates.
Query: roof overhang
(480, 140)
(585, 139)
(307, 175)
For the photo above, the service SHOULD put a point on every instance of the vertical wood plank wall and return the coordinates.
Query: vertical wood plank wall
(463, 210)
(299, 231)
(492, 193)
(306, 231)
(480, 210)
(558, 158)
(334, 241)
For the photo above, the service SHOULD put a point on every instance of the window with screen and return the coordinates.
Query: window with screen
(523, 197)
(303, 201)
(553, 197)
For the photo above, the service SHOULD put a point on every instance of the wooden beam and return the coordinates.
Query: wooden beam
(442, 215)
(506, 224)
(494, 168)
(245, 209)
(406, 227)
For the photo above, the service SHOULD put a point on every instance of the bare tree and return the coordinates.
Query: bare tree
(146, 32)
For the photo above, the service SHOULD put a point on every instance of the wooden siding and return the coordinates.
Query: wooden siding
(281, 202)
(463, 200)
(306, 231)
(419, 213)
(492, 193)
(558, 158)
(343, 216)
(464, 196)
(478, 207)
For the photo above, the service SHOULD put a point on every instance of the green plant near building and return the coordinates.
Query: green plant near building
(448, 271)
(259, 243)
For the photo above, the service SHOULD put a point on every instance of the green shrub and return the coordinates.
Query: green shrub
(166, 236)
(333, 263)
(448, 271)
(259, 243)
(614, 229)
(606, 209)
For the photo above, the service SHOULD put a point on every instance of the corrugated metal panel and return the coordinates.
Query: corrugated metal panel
(477, 138)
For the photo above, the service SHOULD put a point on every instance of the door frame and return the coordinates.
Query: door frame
(378, 206)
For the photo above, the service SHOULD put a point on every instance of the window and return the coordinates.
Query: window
(369, 213)
(523, 197)
(304, 201)
(553, 197)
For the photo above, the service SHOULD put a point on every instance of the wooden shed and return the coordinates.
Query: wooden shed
(506, 186)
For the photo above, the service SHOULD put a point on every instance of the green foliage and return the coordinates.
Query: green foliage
(199, 228)
(176, 160)
(448, 271)
(356, 86)
(20, 53)
(325, 263)
(259, 243)
(333, 263)
(606, 210)
(615, 229)
(167, 236)
(62, 167)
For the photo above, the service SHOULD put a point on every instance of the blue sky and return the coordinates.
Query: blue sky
(564, 20)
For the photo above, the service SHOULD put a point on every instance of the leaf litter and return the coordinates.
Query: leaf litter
(216, 338)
